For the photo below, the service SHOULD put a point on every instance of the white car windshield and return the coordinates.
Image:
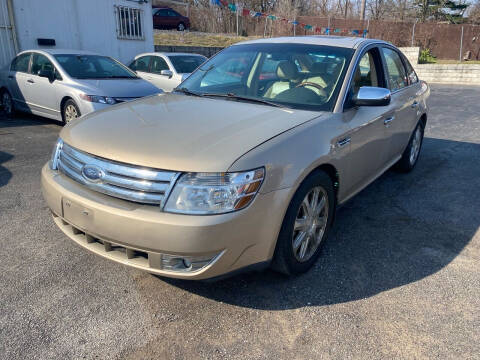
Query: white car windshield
(293, 75)
(93, 67)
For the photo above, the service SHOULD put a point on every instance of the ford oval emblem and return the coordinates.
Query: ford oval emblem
(92, 173)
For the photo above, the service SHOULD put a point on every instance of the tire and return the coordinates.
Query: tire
(69, 110)
(287, 258)
(181, 27)
(412, 152)
(8, 106)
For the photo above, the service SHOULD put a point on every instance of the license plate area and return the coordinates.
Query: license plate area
(77, 214)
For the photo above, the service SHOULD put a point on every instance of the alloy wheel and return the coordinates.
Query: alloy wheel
(310, 224)
(70, 113)
(181, 27)
(416, 144)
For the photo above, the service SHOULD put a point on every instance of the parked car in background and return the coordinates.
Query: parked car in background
(65, 84)
(239, 169)
(166, 70)
(167, 18)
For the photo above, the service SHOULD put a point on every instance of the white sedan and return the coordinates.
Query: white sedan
(166, 70)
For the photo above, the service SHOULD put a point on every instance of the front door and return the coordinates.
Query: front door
(17, 80)
(41, 92)
(164, 82)
(367, 137)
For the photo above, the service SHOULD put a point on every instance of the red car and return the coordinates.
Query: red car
(166, 18)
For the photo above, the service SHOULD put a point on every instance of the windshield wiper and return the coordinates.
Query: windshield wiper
(244, 98)
(186, 91)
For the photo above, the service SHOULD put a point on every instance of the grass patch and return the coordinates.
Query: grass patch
(197, 39)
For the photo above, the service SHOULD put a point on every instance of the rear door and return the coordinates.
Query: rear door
(403, 99)
(367, 138)
(162, 19)
(17, 80)
(141, 66)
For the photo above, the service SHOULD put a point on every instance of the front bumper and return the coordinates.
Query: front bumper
(137, 235)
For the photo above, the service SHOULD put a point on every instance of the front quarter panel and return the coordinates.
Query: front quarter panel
(289, 157)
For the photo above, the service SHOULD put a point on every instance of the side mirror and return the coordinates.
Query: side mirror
(372, 96)
(49, 74)
(168, 73)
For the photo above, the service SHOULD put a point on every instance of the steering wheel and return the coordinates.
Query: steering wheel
(316, 86)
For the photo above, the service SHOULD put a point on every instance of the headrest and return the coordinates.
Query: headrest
(319, 68)
(287, 70)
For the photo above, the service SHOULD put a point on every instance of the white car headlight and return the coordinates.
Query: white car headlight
(214, 193)
(53, 163)
(98, 99)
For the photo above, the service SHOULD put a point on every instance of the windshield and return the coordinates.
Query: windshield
(94, 67)
(185, 64)
(294, 75)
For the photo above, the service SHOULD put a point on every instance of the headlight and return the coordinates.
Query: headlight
(98, 99)
(53, 163)
(214, 193)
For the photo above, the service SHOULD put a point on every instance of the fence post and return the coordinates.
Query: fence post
(236, 13)
(461, 47)
(328, 26)
(413, 32)
(294, 26)
(265, 29)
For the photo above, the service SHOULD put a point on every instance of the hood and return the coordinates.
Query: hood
(180, 132)
(120, 87)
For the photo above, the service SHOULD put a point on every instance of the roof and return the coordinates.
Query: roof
(167, 54)
(63, 51)
(328, 40)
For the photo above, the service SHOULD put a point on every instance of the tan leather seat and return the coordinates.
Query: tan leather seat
(288, 74)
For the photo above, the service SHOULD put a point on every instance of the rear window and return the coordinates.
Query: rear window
(185, 64)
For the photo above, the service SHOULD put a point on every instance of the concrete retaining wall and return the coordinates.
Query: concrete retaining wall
(203, 50)
(443, 73)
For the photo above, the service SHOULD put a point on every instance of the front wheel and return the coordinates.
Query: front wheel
(410, 155)
(181, 27)
(70, 111)
(7, 104)
(306, 225)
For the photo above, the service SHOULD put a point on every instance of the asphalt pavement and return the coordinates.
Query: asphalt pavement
(398, 278)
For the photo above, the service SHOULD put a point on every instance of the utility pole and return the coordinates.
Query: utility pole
(362, 10)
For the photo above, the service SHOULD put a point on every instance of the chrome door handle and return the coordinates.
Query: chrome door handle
(343, 142)
(31, 81)
(388, 120)
(414, 105)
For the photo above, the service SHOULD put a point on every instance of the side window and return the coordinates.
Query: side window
(173, 13)
(366, 73)
(158, 64)
(412, 75)
(40, 62)
(396, 74)
(140, 64)
(162, 12)
(20, 63)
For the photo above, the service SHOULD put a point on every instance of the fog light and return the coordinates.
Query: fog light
(185, 263)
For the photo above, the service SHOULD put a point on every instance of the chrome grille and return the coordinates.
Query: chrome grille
(138, 184)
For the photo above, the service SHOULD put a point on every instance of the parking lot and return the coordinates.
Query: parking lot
(399, 277)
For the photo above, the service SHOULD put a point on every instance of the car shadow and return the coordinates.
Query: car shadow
(25, 119)
(399, 230)
(5, 174)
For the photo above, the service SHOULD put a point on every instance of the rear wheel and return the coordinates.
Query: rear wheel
(306, 225)
(412, 152)
(7, 103)
(70, 111)
(181, 27)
